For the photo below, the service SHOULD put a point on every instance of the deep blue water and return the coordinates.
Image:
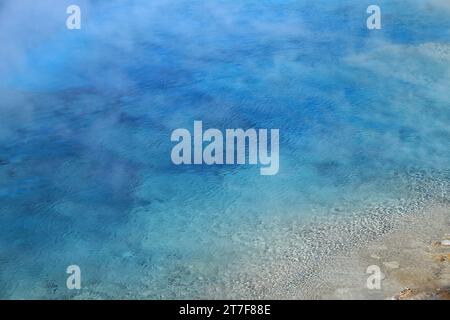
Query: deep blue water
(85, 170)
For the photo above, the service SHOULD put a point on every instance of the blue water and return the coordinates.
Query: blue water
(86, 117)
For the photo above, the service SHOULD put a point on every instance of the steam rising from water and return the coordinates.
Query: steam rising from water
(85, 170)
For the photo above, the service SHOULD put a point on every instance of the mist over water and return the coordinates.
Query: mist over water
(86, 117)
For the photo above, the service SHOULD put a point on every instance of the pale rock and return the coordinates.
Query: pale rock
(392, 264)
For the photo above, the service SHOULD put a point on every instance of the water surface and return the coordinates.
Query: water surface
(85, 170)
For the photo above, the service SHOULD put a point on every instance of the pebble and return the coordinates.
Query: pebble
(436, 244)
(441, 258)
(406, 293)
(445, 242)
(392, 264)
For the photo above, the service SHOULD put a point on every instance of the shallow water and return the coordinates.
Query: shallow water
(85, 170)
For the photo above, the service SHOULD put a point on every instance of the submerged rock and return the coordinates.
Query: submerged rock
(445, 242)
(436, 244)
(442, 257)
(392, 264)
(417, 294)
(405, 294)
(442, 294)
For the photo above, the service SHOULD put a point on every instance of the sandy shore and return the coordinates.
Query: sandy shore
(414, 259)
(410, 249)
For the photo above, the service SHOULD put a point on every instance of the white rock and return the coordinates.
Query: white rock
(445, 242)
(392, 264)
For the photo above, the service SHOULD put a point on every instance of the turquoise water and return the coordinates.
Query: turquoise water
(85, 170)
